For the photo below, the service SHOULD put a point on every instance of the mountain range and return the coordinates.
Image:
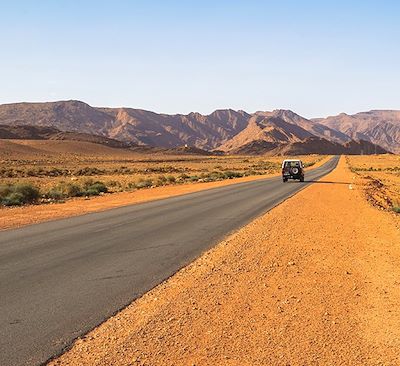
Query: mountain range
(226, 130)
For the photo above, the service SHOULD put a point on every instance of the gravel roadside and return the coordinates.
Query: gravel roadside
(315, 281)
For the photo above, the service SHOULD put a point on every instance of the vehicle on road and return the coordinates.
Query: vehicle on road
(292, 169)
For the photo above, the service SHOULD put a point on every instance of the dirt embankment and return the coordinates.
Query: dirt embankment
(379, 175)
(316, 286)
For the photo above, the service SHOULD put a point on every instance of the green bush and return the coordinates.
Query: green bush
(5, 190)
(18, 194)
(55, 194)
(29, 192)
(72, 190)
(91, 192)
(64, 190)
(94, 189)
(99, 187)
(13, 199)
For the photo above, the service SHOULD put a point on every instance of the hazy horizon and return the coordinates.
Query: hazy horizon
(317, 59)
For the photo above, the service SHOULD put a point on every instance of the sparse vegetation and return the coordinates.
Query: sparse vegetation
(143, 183)
(18, 194)
(25, 193)
(65, 190)
(62, 177)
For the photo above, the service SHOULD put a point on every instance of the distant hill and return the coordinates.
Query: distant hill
(130, 125)
(268, 129)
(66, 149)
(225, 130)
(380, 127)
(50, 133)
(310, 145)
(313, 127)
(286, 133)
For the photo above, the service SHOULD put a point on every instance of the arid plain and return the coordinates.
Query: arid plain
(61, 169)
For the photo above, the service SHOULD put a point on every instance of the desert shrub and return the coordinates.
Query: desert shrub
(87, 182)
(18, 194)
(95, 189)
(64, 190)
(193, 178)
(216, 175)
(171, 179)
(29, 192)
(72, 190)
(251, 172)
(89, 171)
(68, 189)
(91, 192)
(232, 174)
(54, 194)
(143, 183)
(131, 185)
(5, 190)
(396, 208)
(161, 180)
(13, 199)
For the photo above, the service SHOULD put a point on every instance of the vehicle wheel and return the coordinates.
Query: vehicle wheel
(284, 180)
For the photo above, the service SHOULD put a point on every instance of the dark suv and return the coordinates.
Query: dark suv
(292, 169)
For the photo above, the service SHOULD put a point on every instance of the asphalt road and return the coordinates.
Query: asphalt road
(60, 279)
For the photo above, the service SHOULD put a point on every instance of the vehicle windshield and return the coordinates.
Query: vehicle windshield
(292, 164)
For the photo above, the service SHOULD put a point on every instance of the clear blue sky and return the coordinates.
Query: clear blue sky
(316, 57)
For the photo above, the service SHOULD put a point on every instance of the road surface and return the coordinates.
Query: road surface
(60, 279)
